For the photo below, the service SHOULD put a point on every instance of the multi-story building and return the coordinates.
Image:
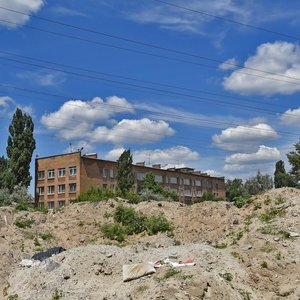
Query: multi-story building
(59, 179)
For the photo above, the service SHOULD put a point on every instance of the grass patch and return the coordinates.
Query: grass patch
(267, 248)
(23, 223)
(257, 206)
(5, 289)
(170, 273)
(13, 297)
(264, 264)
(246, 295)
(284, 234)
(47, 236)
(57, 295)
(279, 200)
(227, 276)
(278, 256)
(114, 231)
(142, 288)
(269, 215)
(36, 242)
(22, 206)
(28, 235)
(268, 201)
(220, 245)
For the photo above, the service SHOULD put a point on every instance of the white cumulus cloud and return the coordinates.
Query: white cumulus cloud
(177, 155)
(42, 78)
(262, 155)
(291, 117)
(25, 6)
(244, 136)
(132, 131)
(279, 58)
(229, 64)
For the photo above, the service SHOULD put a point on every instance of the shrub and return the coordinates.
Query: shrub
(128, 217)
(221, 246)
(47, 236)
(18, 195)
(23, 223)
(241, 201)
(264, 264)
(155, 224)
(22, 206)
(132, 197)
(114, 231)
(227, 276)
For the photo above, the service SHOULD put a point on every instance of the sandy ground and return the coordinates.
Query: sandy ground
(257, 251)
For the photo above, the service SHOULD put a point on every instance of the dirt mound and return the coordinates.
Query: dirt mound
(257, 244)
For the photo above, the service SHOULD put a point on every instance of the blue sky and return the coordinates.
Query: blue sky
(223, 98)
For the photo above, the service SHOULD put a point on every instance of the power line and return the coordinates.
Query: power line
(229, 20)
(136, 79)
(182, 95)
(84, 29)
(144, 52)
(147, 110)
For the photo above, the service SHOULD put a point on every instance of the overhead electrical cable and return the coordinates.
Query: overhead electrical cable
(208, 14)
(138, 80)
(147, 110)
(151, 89)
(118, 37)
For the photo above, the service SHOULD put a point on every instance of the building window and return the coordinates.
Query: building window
(158, 178)
(199, 193)
(198, 183)
(61, 188)
(40, 191)
(61, 203)
(186, 181)
(105, 173)
(187, 193)
(72, 188)
(73, 171)
(41, 204)
(140, 176)
(104, 186)
(173, 180)
(112, 187)
(51, 174)
(51, 190)
(217, 186)
(112, 173)
(41, 175)
(208, 184)
(61, 172)
(51, 205)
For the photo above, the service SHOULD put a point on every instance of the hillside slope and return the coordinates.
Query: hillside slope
(258, 245)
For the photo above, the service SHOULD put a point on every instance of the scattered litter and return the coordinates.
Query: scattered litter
(28, 263)
(44, 255)
(160, 263)
(135, 271)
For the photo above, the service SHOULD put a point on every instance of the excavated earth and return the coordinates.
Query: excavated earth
(240, 253)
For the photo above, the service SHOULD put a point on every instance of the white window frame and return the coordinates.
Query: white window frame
(61, 172)
(61, 188)
(50, 188)
(70, 190)
(51, 174)
(72, 172)
(60, 203)
(41, 177)
(186, 181)
(39, 189)
(198, 182)
(173, 180)
(52, 204)
(105, 173)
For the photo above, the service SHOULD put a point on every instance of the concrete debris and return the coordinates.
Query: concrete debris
(135, 271)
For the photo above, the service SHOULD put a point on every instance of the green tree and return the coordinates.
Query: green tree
(234, 188)
(281, 178)
(125, 176)
(258, 184)
(3, 172)
(294, 160)
(20, 146)
(150, 184)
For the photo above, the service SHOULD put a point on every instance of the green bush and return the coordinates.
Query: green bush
(132, 197)
(128, 217)
(241, 201)
(23, 223)
(155, 224)
(264, 264)
(22, 206)
(47, 236)
(114, 231)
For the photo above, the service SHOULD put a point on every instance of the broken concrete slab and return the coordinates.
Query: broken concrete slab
(135, 271)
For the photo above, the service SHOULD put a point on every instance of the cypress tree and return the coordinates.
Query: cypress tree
(125, 176)
(20, 146)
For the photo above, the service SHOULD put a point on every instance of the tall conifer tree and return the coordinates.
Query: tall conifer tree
(20, 147)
